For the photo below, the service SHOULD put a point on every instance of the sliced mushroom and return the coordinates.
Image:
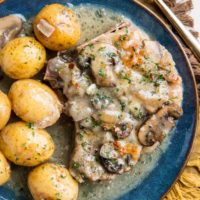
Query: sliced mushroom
(120, 130)
(52, 72)
(159, 125)
(10, 27)
(108, 151)
(115, 166)
(122, 127)
(111, 159)
(101, 57)
(109, 116)
(123, 130)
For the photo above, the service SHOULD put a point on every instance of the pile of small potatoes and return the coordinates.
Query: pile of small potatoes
(26, 142)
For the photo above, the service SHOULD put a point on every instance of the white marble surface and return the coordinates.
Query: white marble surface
(195, 13)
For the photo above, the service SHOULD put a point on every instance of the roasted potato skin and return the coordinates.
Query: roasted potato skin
(25, 145)
(66, 28)
(5, 109)
(4, 169)
(52, 181)
(22, 58)
(35, 102)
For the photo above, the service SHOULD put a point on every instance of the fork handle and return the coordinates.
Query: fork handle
(186, 35)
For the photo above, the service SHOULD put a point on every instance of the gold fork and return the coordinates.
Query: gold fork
(185, 34)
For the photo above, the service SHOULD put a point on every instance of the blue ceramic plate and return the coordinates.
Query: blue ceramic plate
(172, 161)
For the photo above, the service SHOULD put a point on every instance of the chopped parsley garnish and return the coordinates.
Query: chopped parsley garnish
(99, 13)
(58, 196)
(95, 123)
(146, 58)
(91, 46)
(76, 165)
(83, 144)
(111, 54)
(161, 77)
(30, 125)
(102, 96)
(172, 99)
(123, 105)
(135, 108)
(96, 157)
(117, 44)
(24, 145)
(158, 79)
(117, 89)
(125, 76)
(140, 115)
(100, 100)
(124, 127)
(62, 176)
(156, 66)
(168, 71)
(152, 78)
(81, 134)
(122, 38)
(102, 73)
(146, 78)
(92, 57)
(101, 48)
(126, 31)
(25, 46)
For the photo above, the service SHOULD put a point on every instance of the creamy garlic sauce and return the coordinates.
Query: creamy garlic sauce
(94, 21)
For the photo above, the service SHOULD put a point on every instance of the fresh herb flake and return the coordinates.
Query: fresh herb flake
(117, 44)
(102, 73)
(101, 49)
(126, 77)
(111, 54)
(76, 165)
(126, 31)
(30, 125)
(99, 13)
(62, 176)
(123, 105)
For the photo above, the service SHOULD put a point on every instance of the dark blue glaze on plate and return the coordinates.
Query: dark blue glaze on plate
(172, 161)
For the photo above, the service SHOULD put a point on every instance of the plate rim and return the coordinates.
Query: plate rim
(189, 151)
(174, 37)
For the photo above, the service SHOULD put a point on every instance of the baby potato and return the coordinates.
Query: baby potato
(5, 109)
(35, 102)
(4, 169)
(51, 181)
(56, 27)
(23, 144)
(22, 58)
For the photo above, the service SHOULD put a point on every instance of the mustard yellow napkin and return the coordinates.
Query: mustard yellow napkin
(188, 185)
